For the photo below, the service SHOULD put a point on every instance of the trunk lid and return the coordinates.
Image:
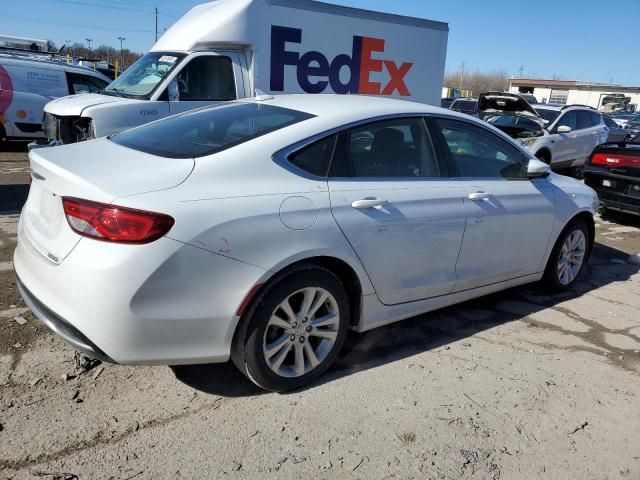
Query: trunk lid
(97, 170)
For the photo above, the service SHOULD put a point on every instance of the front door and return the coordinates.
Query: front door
(509, 217)
(402, 218)
(206, 79)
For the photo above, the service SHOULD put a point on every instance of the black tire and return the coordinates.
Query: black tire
(3, 135)
(551, 277)
(247, 348)
(544, 156)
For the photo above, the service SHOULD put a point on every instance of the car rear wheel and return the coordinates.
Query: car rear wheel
(294, 331)
(568, 257)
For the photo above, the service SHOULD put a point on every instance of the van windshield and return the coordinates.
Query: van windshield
(141, 78)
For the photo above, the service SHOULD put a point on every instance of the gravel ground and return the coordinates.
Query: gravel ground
(514, 385)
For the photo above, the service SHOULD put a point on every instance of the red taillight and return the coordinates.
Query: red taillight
(113, 223)
(616, 160)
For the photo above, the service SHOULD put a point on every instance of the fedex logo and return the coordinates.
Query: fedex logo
(361, 64)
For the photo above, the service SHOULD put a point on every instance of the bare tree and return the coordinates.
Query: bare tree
(478, 81)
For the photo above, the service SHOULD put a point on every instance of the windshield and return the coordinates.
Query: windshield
(208, 131)
(549, 115)
(513, 121)
(141, 78)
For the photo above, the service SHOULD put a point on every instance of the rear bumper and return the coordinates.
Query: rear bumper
(616, 197)
(162, 303)
(61, 327)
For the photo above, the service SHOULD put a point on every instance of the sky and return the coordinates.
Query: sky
(565, 39)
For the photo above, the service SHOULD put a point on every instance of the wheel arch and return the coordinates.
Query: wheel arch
(545, 152)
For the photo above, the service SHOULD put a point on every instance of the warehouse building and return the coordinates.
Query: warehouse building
(603, 96)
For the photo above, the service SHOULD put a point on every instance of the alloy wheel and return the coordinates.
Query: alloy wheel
(301, 332)
(571, 257)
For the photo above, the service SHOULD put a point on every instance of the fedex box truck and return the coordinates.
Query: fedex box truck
(232, 49)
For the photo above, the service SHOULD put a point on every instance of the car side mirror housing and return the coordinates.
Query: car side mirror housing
(172, 89)
(537, 169)
(563, 129)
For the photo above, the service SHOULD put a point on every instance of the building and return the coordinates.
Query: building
(603, 96)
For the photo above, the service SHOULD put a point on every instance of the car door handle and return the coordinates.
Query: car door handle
(477, 196)
(369, 202)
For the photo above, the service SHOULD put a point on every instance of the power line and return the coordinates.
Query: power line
(74, 25)
(112, 7)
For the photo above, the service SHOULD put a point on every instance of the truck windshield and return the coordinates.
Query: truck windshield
(141, 78)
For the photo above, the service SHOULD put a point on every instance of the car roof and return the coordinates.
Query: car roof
(348, 108)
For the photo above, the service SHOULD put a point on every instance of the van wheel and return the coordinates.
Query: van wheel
(3, 135)
(294, 331)
(544, 157)
(568, 257)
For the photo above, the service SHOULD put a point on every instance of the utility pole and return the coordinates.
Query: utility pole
(156, 23)
(89, 40)
(122, 39)
(461, 77)
(521, 71)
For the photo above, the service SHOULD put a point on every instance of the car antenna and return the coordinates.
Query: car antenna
(261, 96)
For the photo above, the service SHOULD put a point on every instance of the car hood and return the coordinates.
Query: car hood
(75, 104)
(502, 103)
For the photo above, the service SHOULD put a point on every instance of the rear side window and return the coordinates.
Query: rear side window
(596, 119)
(584, 119)
(315, 158)
(205, 132)
(79, 83)
(398, 148)
(207, 79)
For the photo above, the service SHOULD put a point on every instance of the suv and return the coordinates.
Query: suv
(561, 135)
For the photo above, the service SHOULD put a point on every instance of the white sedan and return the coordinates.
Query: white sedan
(263, 230)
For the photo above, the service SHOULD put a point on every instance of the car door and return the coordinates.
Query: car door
(508, 217)
(206, 79)
(565, 146)
(402, 218)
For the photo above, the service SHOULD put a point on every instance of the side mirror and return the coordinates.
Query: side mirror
(537, 169)
(172, 89)
(563, 129)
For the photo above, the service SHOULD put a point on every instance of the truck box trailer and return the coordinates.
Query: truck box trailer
(232, 49)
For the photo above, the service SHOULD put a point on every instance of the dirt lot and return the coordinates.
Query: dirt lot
(515, 385)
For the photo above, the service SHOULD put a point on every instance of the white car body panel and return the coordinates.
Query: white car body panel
(241, 218)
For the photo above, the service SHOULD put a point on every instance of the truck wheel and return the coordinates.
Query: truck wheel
(294, 331)
(568, 257)
(544, 156)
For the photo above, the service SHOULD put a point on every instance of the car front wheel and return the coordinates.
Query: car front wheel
(568, 257)
(294, 331)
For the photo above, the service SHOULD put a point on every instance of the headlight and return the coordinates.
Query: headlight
(526, 142)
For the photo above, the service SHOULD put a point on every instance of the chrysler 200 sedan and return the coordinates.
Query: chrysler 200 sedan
(262, 230)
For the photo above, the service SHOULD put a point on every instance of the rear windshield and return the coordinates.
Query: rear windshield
(208, 131)
(549, 115)
(465, 105)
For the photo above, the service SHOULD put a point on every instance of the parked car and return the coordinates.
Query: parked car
(229, 49)
(531, 99)
(616, 132)
(622, 118)
(465, 105)
(262, 230)
(613, 171)
(633, 126)
(561, 135)
(27, 83)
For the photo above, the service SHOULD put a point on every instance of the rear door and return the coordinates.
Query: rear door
(206, 79)
(508, 217)
(390, 196)
(565, 144)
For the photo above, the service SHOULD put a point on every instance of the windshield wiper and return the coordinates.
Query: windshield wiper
(118, 93)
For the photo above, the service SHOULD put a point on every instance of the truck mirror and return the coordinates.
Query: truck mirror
(174, 93)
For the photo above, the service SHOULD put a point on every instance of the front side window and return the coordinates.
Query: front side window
(478, 153)
(568, 119)
(596, 119)
(398, 148)
(208, 131)
(207, 78)
(549, 115)
(141, 78)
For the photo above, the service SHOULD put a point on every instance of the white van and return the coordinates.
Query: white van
(27, 83)
(231, 49)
